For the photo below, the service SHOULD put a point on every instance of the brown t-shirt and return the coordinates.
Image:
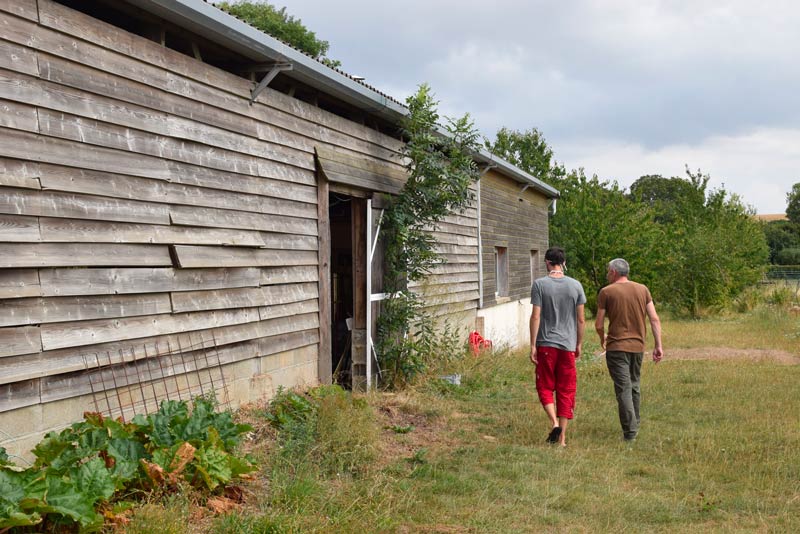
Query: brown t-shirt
(626, 308)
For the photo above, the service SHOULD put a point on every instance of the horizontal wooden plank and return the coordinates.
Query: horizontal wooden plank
(19, 394)
(60, 309)
(16, 173)
(18, 116)
(191, 257)
(25, 145)
(452, 309)
(71, 230)
(67, 205)
(61, 335)
(15, 228)
(339, 159)
(16, 255)
(242, 298)
(446, 248)
(456, 229)
(217, 218)
(154, 190)
(455, 239)
(274, 336)
(288, 310)
(447, 279)
(21, 8)
(93, 132)
(19, 283)
(20, 340)
(337, 173)
(88, 281)
(288, 275)
(436, 300)
(18, 58)
(427, 290)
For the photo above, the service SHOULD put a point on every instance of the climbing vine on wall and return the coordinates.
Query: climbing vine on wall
(440, 170)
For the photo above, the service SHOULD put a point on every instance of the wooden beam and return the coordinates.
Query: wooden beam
(325, 355)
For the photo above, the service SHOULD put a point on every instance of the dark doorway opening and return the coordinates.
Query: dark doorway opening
(342, 302)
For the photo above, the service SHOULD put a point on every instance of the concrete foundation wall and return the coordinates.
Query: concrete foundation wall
(246, 381)
(507, 324)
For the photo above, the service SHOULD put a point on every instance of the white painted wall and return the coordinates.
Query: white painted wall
(507, 324)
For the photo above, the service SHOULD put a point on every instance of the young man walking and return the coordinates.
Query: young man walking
(557, 325)
(626, 304)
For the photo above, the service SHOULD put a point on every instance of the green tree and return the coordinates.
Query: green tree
(793, 204)
(529, 151)
(279, 24)
(782, 235)
(671, 198)
(441, 170)
(713, 251)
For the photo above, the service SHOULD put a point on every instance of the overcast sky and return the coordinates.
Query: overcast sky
(622, 88)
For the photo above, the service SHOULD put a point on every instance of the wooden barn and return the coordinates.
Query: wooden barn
(175, 183)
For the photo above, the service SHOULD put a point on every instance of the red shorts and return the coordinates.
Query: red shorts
(556, 373)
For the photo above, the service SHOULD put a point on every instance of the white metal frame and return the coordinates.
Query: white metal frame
(372, 244)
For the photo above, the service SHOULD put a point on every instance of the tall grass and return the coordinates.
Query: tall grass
(718, 450)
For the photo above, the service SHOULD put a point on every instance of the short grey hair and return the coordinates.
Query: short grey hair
(619, 265)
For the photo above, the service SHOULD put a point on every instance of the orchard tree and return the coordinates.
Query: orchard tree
(279, 24)
(793, 204)
(529, 151)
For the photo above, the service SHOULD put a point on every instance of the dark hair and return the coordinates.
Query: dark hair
(555, 255)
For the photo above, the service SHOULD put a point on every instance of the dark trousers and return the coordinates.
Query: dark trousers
(625, 369)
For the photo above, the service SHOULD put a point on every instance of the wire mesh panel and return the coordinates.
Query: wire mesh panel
(136, 380)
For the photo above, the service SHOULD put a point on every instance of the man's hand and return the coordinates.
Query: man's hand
(534, 356)
(578, 351)
(658, 353)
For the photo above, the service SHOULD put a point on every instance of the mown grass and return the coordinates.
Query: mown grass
(718, 451)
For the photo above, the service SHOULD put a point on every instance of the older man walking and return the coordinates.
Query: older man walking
(626, 303)
(556, 325)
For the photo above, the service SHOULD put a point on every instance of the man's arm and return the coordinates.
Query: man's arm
(535, 318)
(655, 324)
(600, 327)
(581, 328)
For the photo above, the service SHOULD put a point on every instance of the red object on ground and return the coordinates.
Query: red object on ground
(477, 342)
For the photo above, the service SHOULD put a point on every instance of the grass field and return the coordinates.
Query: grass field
(718, 451)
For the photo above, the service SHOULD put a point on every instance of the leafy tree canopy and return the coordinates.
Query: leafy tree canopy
(281, 25)
(793, 204)
(529, 151)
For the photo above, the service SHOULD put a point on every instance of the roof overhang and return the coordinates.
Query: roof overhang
(226, 30)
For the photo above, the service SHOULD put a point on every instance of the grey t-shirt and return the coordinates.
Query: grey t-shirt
(557, 297)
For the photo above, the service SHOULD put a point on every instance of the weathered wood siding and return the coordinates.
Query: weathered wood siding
(515, 220)
(143, 201)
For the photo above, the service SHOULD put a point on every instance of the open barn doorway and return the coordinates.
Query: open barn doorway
(341, 224)
(350, 217)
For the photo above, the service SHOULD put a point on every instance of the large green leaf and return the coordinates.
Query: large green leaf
(64, 498)
(126, 454)
(12, 486)
(94, 480)
(212, 465)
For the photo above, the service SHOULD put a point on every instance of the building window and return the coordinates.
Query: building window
(535, 267)
(501, 271)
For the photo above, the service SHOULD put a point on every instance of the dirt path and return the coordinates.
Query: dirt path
(722, 353)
